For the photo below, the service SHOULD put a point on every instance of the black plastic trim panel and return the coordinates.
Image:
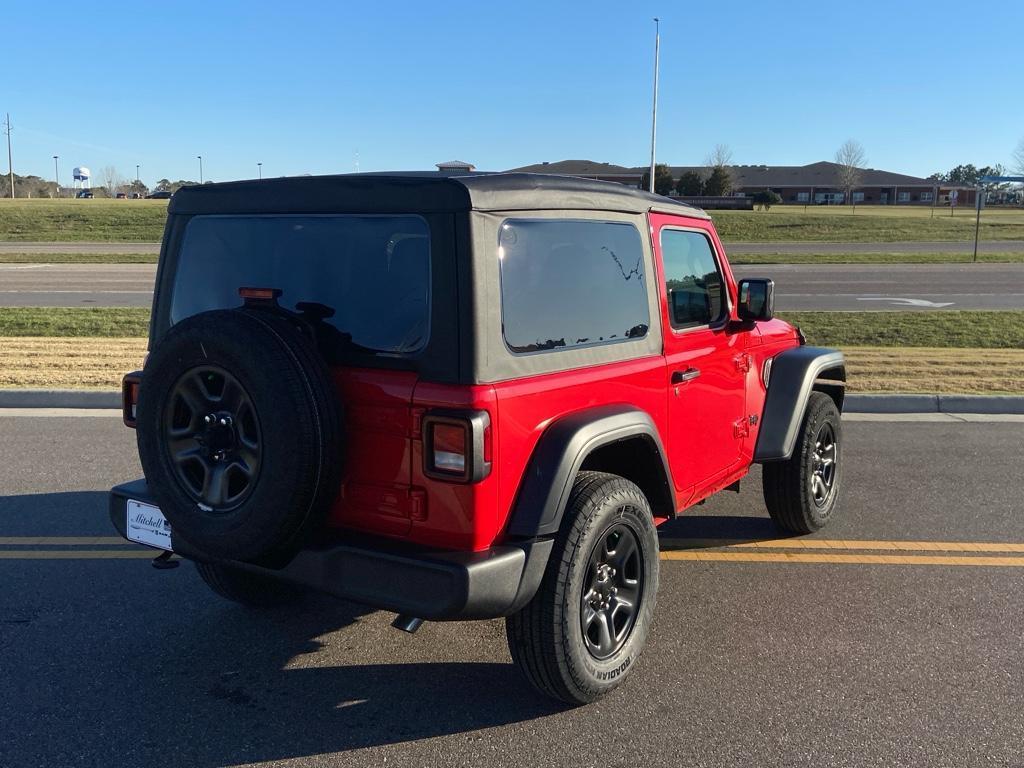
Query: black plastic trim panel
(792, 379)
(560, 453)
(429, 584)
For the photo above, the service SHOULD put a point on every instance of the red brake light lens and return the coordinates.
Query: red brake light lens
(449, 448)
(130, 398)
(456, 445)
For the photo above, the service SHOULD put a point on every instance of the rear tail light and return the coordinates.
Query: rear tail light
(130, 397)
(455, 445)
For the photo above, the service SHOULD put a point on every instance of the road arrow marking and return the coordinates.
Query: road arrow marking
(908, 302)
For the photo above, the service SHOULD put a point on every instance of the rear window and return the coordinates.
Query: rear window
(568, 284)
(371, 272)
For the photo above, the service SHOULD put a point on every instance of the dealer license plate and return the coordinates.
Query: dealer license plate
(147, 525)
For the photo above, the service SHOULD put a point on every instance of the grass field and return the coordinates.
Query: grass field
(869, 224)
(126, 221)
(143, 221)
(78, 258)
(966, 352)
(758, 258)
(945, 329)
(890, 257)
(74, 322)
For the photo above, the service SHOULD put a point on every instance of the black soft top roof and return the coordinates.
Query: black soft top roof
(424, 192)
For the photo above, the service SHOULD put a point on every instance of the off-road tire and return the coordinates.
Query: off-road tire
(245, 588)
(787, 485)
(297, 410)
(546, 638)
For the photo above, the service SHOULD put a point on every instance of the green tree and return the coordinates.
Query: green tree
(663, 181)
(690, 183)
(719, 182)
(137, 188)
(767, 199)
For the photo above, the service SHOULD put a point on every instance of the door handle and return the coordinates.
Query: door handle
(681, 377)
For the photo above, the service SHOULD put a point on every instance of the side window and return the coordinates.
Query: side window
(694, 285)
(567, 283)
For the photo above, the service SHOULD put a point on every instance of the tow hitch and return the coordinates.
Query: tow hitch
(163, 562)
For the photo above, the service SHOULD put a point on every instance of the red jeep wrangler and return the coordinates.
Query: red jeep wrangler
(464, 397)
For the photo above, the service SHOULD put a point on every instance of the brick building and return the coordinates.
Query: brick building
(814, 184)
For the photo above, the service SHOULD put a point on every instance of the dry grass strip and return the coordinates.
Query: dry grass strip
(99, 363)
(926, 369)
(68, 362)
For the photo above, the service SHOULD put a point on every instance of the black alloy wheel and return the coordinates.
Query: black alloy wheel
(212, 435)
(824, 465)
(610, 600)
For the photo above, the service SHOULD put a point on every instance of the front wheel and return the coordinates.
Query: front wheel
(801, 493)
(586, 626)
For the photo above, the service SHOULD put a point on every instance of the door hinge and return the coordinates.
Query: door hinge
(743, 362)
(741, 429)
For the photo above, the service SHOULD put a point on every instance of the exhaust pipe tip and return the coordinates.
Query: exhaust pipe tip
(407, 623)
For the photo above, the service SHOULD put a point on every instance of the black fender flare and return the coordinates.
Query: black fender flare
(795, 373)
(561, 451)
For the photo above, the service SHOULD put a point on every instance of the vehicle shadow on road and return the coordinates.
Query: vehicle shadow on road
(248, 686)
(702, 531)
(148, 667)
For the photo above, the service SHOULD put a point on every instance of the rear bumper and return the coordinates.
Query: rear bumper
(428, 584)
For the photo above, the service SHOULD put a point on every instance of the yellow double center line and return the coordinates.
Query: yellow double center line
(819, 551)
(71, 554)
(845, 551)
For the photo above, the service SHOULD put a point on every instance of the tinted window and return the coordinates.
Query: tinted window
(571, 283)
(373, 272)
(693, 282)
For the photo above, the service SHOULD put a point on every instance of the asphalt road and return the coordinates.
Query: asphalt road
(859, 287)
(866, 287)
(936, 246)
(106, 661)
(942, 246)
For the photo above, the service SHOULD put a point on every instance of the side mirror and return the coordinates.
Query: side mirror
(757, 299)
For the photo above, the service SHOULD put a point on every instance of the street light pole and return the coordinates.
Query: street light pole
(200, 168)
(654, 112)
(10, 163)
(259, 168)
(56, 174)
(136, 174)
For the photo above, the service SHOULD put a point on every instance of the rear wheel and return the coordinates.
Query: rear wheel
(801, 493)
(246, 588)
(586, 626)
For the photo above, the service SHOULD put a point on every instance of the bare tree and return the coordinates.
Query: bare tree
(112, 180)
(851, 160)
(719, 160)
(720, 157)
(1017, 158)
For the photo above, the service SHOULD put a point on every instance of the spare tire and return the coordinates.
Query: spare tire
(240, 434)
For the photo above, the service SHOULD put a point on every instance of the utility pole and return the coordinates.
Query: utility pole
(10, 165)
(654, 113)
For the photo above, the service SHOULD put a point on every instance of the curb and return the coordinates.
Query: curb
(988, 404)
(59, 398)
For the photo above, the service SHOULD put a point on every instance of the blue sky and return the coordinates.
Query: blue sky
(317, 87)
